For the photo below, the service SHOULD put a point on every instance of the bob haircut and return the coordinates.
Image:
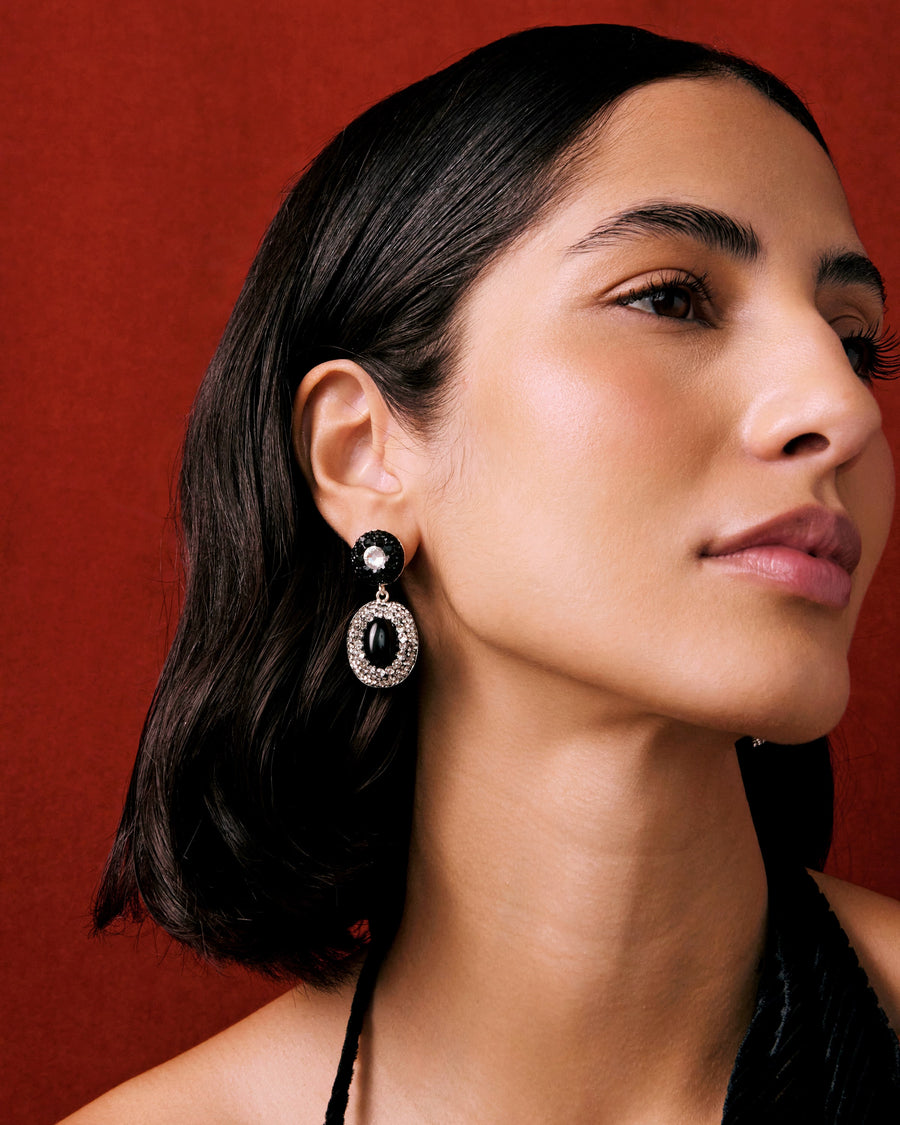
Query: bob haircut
(268, 816)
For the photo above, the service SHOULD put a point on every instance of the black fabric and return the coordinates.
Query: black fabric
(819, 1049)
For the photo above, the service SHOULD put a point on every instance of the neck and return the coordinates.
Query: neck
(585, 910)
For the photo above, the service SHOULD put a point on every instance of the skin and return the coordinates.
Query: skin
(586, 896)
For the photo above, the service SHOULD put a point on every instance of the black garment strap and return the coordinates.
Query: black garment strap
(362, 996)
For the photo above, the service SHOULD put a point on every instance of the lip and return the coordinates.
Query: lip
(811, 552)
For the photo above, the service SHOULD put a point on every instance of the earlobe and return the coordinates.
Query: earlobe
(343, 436)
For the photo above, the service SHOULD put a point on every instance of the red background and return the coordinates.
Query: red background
(149, 142)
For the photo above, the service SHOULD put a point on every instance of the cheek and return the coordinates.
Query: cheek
(868, 495)
(568, 473)
(879, 504)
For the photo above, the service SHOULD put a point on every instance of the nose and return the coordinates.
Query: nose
(808, 402)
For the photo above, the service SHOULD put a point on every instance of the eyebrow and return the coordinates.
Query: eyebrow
(846, 267)
(721, 232)
(714, 229)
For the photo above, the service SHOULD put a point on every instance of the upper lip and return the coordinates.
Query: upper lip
(817, 531)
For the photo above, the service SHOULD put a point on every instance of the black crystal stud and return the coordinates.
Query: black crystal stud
(377, 556)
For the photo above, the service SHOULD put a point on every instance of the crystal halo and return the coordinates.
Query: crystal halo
(377, 556)
(407, 650)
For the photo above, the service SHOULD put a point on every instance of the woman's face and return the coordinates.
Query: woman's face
(638, 397)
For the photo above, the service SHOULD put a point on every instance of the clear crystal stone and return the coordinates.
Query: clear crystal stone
(374, 558)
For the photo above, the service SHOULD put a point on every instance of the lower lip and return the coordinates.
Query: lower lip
(795, 572)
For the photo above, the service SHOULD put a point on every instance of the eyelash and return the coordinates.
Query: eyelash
(882, 349)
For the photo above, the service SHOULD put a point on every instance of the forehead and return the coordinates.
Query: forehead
(715, 145)
(716, 142)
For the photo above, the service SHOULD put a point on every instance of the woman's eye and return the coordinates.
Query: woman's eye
(858, 350)
(873, 353)
(676, 302)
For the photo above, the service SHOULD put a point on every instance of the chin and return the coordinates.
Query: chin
(784, 704)
(811, 711)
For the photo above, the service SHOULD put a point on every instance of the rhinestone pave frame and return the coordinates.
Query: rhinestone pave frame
(407, 637)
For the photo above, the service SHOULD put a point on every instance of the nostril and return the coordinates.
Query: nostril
(806, 443)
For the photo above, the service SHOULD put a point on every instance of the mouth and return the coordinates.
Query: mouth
(810, 552)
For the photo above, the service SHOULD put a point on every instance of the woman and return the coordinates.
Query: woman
(582, 327)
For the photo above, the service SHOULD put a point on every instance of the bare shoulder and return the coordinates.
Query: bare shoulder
(277, 1065)
(872, 923)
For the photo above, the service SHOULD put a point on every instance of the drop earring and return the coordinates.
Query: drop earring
(382, 640)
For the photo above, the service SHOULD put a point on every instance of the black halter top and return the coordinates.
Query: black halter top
(819, 1049)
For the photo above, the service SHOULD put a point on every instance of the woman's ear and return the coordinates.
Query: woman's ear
(353, 453)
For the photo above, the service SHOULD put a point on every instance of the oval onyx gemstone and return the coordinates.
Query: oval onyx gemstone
(380, 642)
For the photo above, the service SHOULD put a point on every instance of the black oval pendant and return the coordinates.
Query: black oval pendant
(380, 642)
